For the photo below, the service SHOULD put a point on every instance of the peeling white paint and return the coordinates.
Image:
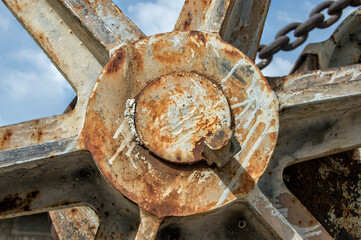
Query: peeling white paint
(239, 63)
(309, 231)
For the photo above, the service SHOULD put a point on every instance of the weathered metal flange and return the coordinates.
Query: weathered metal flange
(162, 188)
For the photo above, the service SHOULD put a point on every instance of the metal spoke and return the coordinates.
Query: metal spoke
(148, 227)
(271, 215)
(326, 113)
(289, 206)
(118, 217)
(74, 223)
(47, 183)
(62, 46)
(52, 130)
(205, 16)
(109, 215)
(99, 24)
(238, 22)
(41, 165)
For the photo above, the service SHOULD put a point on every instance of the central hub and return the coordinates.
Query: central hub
(187, 86)
(176, 113)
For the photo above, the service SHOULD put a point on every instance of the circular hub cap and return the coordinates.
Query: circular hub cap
(176, 112)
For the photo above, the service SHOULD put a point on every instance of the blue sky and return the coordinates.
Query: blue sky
(31, 87)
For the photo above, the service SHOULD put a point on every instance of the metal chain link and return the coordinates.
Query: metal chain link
(301, 30)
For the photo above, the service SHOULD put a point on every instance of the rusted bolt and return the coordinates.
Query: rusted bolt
(242, 224)
(220, 147)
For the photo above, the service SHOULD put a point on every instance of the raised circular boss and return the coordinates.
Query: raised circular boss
(167, 107)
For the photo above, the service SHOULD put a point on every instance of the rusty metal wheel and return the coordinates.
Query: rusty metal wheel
(173, 136)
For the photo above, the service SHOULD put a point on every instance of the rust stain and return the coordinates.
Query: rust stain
(259, 162)
(338, 175)
(138, 61)
(193, 15)
(78, 222)
(6, 137)
(219, 139)
(38, 134)
(116, 62)
(198, 149)
(199, 36)
(232, 53)
(44, 41)
(94, 138)
(15, 203)
(246, 184)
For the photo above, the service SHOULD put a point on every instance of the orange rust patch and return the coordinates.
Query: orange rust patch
(198, 149)
(177, 111)
(199, 36)
(246, 184)
(94, 136)
(44, 41)
(6, 137)
(38, 135)
(117, 61)
(273, 136)
(161, 45)
(138, 61)
(192, 15)
(232, 53)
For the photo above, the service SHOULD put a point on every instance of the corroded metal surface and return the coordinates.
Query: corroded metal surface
(244, 24)
(330, 189)
(148, 227)
(329, 184)
(326, 117)
(76, 223)
(207, 15)
(324, 107)
(117, 138)
(238, 22)
(100, 25)
(177, 112)
(50, 32)
(220, 147)
(157, 187)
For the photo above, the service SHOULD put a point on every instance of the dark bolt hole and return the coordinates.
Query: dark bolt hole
(242, 223)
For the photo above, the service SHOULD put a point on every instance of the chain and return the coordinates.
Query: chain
(301, 30)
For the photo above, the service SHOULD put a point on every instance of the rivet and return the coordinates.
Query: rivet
(242, 224)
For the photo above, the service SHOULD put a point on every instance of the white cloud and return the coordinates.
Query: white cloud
(278, 67)
(43, 78)
(37, 90)
(157, 17)
(287, 17)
